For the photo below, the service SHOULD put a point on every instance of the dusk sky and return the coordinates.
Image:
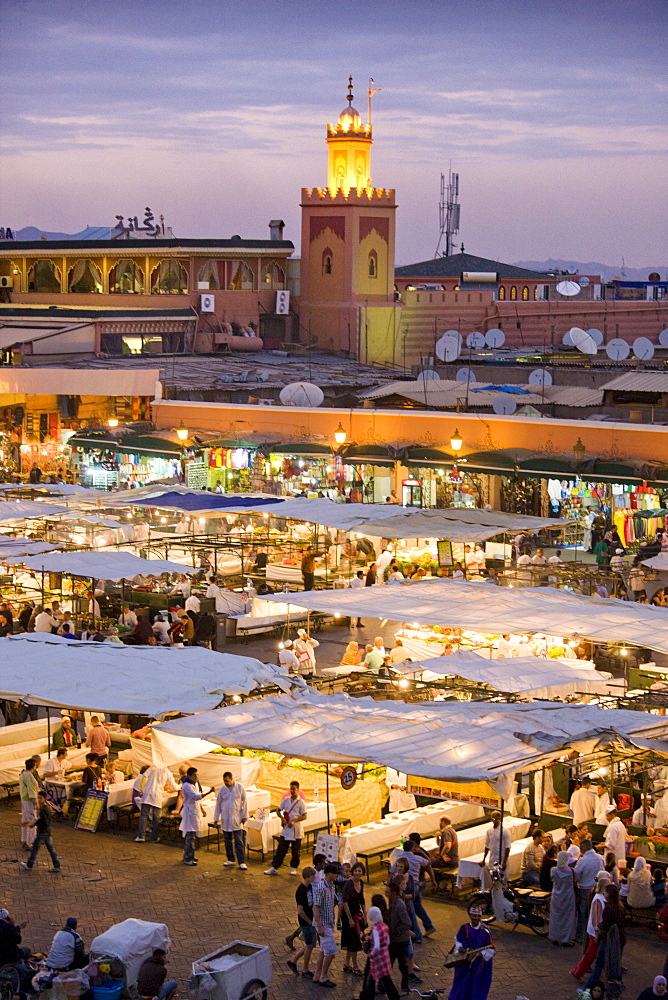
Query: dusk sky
(214, 112)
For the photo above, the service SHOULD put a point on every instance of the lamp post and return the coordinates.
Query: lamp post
(182, 432)
(456, 442)
(340, 438)
(182, 435)
(340, 434)
(579, 451)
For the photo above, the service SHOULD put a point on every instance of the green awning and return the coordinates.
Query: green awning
(427, 458)
(299, 448)
(490, 462)
(369, 454)
(546, 468)
(146, 444)
(90, 442)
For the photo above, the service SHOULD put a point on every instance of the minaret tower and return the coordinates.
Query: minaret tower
(347, 262)
(349, 150)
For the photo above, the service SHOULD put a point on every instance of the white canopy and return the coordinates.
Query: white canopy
(102, 565)
(458, 741)
(532, 676)
(380, 520)
(44, 669)
(132, 941)
(11, 545)
(484, 607)
(28, 510)
(659, 562)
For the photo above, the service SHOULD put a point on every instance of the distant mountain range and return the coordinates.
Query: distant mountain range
(592, 267)
(89, 233)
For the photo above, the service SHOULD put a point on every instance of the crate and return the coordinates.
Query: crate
(254, 962)
(111, 990)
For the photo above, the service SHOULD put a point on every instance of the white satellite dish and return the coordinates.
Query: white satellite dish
(504, 404)
(663, 338)
(301, 394)
(617, 349)
(643, 348)
(495, 337)
(583, 281)
(454, 333)
(566, 339)
(428, 375)
(596, 336)
(447, 348)
(475, 340)
(581, 339)
(540, 377)
(568, 288)
(465, 375)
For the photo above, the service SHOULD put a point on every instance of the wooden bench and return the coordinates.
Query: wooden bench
(9, 787)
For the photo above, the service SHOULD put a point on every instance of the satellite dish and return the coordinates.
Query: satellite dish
(447, 348)
(568, 288)
(540, 377)
(301, 394)
(596, 336)
(504, 404)
(583, 281)
(495, 337)
(581, 339)
(663, 338)
(453, 333)
(465, 375)
(643, 348)
(428, 375)
(475, 340)
(566, 339)
(617, 349)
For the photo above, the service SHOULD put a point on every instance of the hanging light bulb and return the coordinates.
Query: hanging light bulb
(456, 441)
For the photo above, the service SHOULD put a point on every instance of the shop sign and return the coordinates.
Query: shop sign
(348, 777)
(478, 792)
(91, 811)
(196, 474)
(444, 548)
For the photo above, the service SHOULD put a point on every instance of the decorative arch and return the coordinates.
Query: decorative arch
(535, 293)
(327, 260)
(242, 276)
(273, 276)
(513, 292)
(373, 264)
(126, 277)
(85, 277)
(502, 292)
(44, 276)
(169, 278)
(525, 294)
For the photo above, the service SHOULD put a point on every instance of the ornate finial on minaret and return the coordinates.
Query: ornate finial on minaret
(350, 90)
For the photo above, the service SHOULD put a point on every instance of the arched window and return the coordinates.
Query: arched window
(126, 277)
(169, 278)
(525, 294)
(208, 275)
(502, 292)
(242, 276)
(535, 293)
(44, 276)
(513, 292)
(84, 277)
(327, 261)
(373, 264)
(273, 276)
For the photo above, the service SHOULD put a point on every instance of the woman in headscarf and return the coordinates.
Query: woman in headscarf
(352, 656)
(548, 863)
(659, 988)
(639, 881)
(611, 939)
(563, 909)
(596, 908)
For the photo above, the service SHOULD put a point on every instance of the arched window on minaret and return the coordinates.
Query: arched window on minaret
(373, 264)
(535, 293)
(327, 261)
(525, 294)
(513, 292)
(502, 292)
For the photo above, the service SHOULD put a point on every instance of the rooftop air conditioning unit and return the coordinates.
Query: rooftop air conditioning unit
(6, 281)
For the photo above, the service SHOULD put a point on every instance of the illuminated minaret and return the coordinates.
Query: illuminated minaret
(347, 262)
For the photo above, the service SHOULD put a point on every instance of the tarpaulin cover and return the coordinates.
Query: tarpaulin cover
(102, 565)
(19, 510)
(532, 676)
(486, 608)
(659, 562)
(132, 941)
(459, 741)
(20, 545)
(44, 669)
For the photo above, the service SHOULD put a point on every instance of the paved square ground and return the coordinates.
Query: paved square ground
(107, 877)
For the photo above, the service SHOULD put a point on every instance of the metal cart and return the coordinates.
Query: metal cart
(239, 971)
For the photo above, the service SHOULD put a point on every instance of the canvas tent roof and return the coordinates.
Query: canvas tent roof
(141, 680)
(102, 565)
(480, 606)
(20, 510)
(527, 675)
(659, 562)
(459, 741)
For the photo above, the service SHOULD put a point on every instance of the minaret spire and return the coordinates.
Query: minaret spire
(350, 91)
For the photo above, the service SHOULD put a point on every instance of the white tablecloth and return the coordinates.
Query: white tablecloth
(387, 832)
(469, 867)
(256, 798)
(261, 832)
(210, 766)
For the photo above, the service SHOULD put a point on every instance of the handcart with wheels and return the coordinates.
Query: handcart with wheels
(239, 971)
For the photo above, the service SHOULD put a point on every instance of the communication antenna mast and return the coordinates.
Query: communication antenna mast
(448, 213)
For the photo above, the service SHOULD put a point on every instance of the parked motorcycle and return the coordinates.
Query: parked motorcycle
(524, 905)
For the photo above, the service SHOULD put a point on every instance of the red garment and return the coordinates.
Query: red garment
(587, 960)
(380, 964)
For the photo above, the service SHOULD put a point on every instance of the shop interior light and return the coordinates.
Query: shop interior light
(579, 450)
(163, 520)
(441, 472)
(456, 441)
(403, 683)
(113, 421)
(182, 432)
(624, 651)
(281, 645)
(339, 434)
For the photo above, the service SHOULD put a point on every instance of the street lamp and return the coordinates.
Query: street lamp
(182, 432)
(456, 442)
(579, 450)
(340, 434)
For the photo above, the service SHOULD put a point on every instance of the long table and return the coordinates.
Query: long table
(387, 832)
(469, 867)
(262, 831)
